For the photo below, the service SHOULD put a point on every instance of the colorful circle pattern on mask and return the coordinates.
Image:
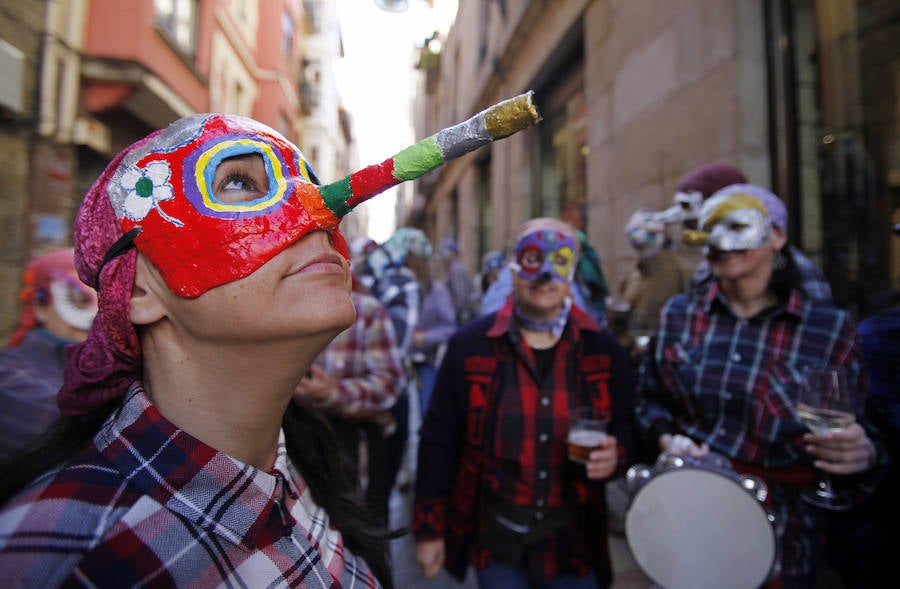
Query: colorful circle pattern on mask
(200, 169)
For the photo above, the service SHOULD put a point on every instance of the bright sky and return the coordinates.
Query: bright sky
(375, 82)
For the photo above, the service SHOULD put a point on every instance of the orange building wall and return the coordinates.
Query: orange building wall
(124, 29)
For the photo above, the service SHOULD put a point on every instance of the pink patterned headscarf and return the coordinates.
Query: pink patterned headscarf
(102, 367)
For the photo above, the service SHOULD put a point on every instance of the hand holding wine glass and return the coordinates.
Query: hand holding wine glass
(825, 406)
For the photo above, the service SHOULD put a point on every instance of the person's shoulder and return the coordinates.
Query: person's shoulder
(22, 371)
(15, 357)
(683, 301)
(824, 313)
(69, 509)
(475, 329)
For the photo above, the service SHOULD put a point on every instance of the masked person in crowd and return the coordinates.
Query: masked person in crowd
(657, 276)
(693, 188)
(181, 459)
(812, 279)
(723, 373)
(495, 488)
(589, 288)
(58, 310)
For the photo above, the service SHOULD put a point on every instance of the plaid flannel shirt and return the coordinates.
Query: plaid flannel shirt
(732, 383)
(496, 428)
(366, 361)
(148, 505)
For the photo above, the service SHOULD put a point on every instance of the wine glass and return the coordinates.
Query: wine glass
(825, 405)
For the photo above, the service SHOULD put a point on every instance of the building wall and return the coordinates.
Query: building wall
(669, 86)
(21, 24)
(140, 42)
(666, 85)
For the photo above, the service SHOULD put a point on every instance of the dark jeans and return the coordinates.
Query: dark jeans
(499, 575)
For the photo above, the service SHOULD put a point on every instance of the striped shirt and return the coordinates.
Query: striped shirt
(147, 504)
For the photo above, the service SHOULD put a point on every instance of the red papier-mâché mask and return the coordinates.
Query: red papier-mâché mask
(196, 239)
(201, 229)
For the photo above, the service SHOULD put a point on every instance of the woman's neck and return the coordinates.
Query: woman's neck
(748, 295)
(231, 397)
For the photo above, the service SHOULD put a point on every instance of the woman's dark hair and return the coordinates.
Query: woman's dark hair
(311, 446)
(786, 276)
(314, 449)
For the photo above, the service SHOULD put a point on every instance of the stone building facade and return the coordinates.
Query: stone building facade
(799, 94)
(21, 27)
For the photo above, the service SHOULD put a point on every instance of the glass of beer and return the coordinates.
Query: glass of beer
(587, 430)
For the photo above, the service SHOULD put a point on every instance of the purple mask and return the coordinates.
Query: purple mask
(546, 254)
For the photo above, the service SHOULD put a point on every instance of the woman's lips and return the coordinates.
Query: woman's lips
(321, 263)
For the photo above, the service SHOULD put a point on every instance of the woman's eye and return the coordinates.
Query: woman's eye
(239, 182)
(738, 227)
(241, 178)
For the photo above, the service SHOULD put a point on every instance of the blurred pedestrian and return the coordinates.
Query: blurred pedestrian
(494, 488)
(398, 289)
(695, 186)
(437, 322)
(590, 280)
(57, 311)
(658, 274)
(491, 264)
(589, 288)
(355, 381)
(458, 279)
(860, 539)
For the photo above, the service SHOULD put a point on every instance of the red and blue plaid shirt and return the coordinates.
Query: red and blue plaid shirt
(732, 383)
(147, 504)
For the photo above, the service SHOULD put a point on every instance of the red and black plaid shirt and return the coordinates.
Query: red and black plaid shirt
(496, 428)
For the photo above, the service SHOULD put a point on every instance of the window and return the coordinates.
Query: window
(178, 20)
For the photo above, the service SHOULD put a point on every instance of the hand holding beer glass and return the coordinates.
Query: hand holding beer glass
(590, 444)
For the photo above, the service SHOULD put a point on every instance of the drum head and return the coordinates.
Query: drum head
(689, 528)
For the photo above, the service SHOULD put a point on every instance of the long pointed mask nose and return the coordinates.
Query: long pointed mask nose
(497, 122)
(164, 191)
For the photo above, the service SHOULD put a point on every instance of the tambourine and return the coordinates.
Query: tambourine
(694, 523)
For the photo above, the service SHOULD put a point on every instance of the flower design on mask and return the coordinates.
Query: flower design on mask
(148, 187)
